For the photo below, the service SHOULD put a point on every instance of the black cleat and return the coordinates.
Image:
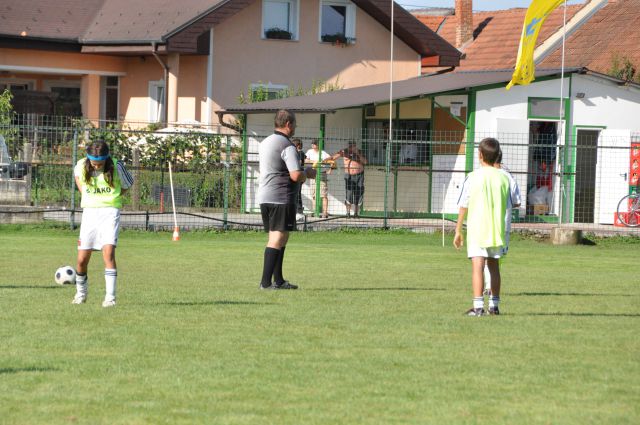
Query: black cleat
(494, 311)
(475, 312)
(284, 285)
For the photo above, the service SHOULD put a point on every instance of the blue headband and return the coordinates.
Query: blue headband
(98, 158)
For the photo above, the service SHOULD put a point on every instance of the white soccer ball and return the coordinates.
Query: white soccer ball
(65, 275)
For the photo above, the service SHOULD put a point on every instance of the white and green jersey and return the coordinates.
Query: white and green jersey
(98, 193)
(486, 195)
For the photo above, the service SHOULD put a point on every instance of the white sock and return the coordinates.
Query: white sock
(81, 284)
(487, 278)
(110, 276)
(494, 301)
(478, 302)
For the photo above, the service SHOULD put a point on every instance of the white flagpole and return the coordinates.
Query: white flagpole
(562, 111)
(388, 153)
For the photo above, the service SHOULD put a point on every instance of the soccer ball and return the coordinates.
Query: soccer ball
(65, 275)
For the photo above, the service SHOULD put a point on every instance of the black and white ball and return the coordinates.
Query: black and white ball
(65, 275)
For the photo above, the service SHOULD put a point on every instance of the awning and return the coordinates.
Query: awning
(424, 86)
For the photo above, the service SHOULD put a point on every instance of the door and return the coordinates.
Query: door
(611, 173)
(585, 183)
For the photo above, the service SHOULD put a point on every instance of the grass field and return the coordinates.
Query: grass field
(375, 335)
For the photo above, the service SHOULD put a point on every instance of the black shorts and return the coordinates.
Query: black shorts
(278, 217)
(354, 188)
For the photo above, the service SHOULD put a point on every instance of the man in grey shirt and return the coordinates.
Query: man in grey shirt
(280, 175)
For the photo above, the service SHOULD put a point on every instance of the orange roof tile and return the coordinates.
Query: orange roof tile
(497, 36)
(433, 22)
(612, 31)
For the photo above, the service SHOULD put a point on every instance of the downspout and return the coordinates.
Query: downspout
(165, 68)
(233, 127)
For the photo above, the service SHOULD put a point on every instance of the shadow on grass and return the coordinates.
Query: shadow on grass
(220, 302)
(376, 289)
(7, 370)
(31, 287)
(569, 314)
(564, 294)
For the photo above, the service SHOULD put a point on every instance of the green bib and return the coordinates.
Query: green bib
(488, 195)
(98, 193)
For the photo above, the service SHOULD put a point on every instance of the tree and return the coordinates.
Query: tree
(623, 68)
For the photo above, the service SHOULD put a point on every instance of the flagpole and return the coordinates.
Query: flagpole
(562, 110)
(388, 153)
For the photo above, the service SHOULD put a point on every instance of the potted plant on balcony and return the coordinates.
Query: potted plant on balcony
(338, 39)
(278, 34)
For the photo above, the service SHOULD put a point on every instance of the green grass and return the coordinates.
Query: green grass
(375, 335)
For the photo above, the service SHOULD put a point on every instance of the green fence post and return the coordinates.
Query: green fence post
(318, 206)
(36, 182)
(72, 188)
(387, 170)
(226, 164)
(243, 200)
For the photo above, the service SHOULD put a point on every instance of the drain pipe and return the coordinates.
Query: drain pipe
(165, 68)
(226, 124)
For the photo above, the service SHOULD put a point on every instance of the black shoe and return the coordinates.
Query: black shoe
(494, 311)
(265, 287)
(284, 285)
(475, 312)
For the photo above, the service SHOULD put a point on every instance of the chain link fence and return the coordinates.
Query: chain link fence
(411, 181)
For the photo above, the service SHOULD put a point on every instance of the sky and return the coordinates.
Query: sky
(477, 4)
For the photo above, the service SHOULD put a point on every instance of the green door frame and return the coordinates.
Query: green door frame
(243, 199)
(570, 178)
(321, 135)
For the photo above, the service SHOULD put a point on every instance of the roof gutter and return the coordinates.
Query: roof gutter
(165, 69)
(220, 115)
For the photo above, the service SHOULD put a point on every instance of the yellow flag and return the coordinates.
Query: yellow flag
(533, 20)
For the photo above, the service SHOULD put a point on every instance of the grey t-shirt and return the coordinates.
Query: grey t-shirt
(277, 156)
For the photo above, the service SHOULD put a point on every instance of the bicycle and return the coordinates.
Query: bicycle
(629, 210)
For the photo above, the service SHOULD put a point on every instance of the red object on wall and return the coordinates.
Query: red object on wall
(634, 164)
(616, 219)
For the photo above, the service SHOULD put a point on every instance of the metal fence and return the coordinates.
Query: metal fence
(411, 181)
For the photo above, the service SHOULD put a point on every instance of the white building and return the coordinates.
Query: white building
(582, 161)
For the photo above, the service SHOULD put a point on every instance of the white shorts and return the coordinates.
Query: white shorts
(491, 252)
(100, 227)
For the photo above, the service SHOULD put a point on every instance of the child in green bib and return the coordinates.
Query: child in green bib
(102, 180)
(483, 201)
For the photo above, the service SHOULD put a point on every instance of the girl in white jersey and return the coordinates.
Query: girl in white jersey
(102, 181)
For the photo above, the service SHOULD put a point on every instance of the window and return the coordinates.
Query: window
(540, 107)
(109, 99)
(280, 19)
(67, 101)
(261, 92)
(411, 142)
(337, 21)
(15, 85)
(156, 101)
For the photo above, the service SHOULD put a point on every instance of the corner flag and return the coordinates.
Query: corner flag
(533, 20)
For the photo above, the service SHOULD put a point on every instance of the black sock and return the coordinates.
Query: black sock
(270, 259)
(277, 271)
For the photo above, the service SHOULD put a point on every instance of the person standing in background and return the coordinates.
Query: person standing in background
(302, 158)
(354, 162)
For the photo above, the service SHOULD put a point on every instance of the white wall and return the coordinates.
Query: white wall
(605, 103)
(449, 181)
(503, 114)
